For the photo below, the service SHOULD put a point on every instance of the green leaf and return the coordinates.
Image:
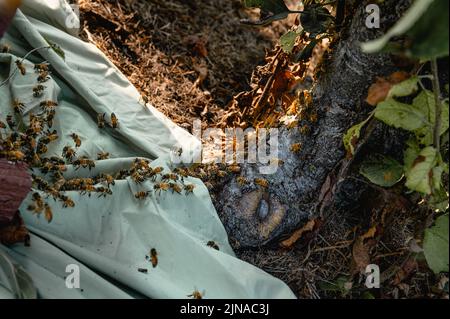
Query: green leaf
(425, 101)
(430, 34)
(435, 245)
(352, 136)
(419, 174)
(400, 115)
(367, 295)
(315, 20)
(411, 153)
(287, 41)
(382, 171)
(271, 10)
(404, 88)
(437, 176)
(438, 201)
(426, 24)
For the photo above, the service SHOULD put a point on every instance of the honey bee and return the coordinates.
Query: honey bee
(40, 183)
(137, 178)
(196, 295)
(305, 129)
(242, 181)
(107, 178)
(313, 117)
(221, 174)
(102, 156)
(154, 172)
(10, 121)
(84, 162)
(18, 106)
(34, 209)
(170, 176)
(189, 189)
(154, 257)
(296, 148)
(60, 181)
(2, 125)
(35, 159)
(103, 191)
(76, 139)
(114, 121)
(41, 67)
(52, 191)
(41, 148)
(142, 164)
(37, 199)
(13, 155)
(58, 168)
(141, 195)
(21, 67)
(48, 105)
(35, 127)
(181, 172)
(48, 213)
(43, 77)
(50, 117)
(49, 137)
(161, 187)
(235, 168)
(213, 244)
(122, 174)
(175, 188)
(46, 167)
(262, 182)
(67, 201)
(88, 189)
(38, 90)
(101, 120)
(158, 170)
(68, 153)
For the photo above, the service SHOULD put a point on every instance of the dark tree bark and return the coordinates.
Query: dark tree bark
(313, 182)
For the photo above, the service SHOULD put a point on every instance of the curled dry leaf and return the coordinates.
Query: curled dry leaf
(360, 251)
(379, 91)
(308, 227)
(408, 268)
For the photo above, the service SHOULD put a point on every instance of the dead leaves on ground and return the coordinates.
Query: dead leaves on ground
(308, 228)
(361, 250)
(277, 90)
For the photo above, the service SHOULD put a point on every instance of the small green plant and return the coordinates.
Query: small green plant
(421, 34)
(315, 19)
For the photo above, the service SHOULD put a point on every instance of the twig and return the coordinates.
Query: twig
(21, 61)
(438, 108)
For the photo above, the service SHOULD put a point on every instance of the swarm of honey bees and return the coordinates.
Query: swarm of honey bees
(30, 144)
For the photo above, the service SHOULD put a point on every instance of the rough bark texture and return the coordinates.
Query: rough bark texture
(15, 183)
(253, 216)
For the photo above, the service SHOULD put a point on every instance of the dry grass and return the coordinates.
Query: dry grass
(189, 58)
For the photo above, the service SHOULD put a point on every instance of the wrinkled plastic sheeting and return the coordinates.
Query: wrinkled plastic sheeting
(112, 235)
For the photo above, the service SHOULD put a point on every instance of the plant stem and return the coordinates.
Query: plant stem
(438, 108)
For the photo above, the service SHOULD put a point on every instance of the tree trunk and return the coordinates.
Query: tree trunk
(314, 182)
